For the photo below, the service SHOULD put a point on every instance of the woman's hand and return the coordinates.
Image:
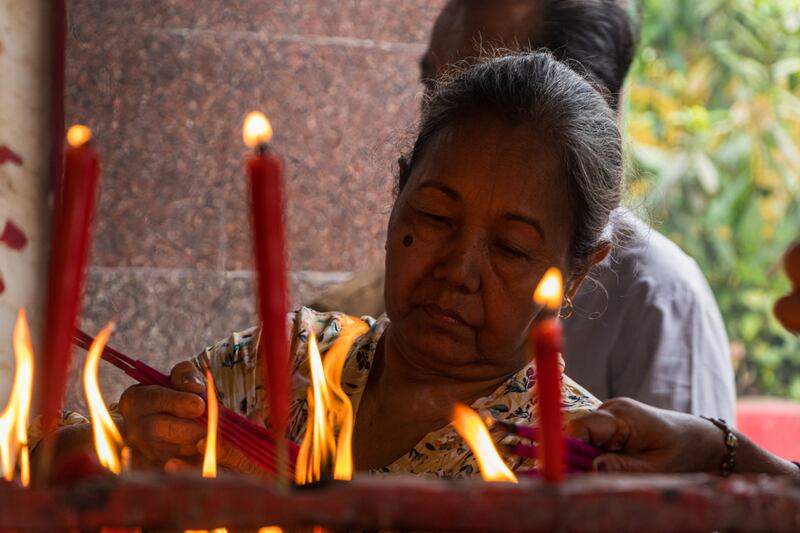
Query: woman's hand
(640, 438)
(159, 421)
(228, 457)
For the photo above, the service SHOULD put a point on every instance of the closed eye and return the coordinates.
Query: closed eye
(512, 251)
(436, 218)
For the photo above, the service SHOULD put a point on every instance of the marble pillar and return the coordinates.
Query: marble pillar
(25, 138)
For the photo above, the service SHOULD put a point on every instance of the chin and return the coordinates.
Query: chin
(437, 348)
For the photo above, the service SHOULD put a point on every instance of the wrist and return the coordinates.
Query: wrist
(724, 455)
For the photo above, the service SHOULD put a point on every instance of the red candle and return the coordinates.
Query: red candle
(266, 195)
(69, 249)
(546, 344)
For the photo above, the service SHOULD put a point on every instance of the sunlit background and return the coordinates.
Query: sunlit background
(714, 126)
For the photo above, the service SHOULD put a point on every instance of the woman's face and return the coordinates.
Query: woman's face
(486, 212)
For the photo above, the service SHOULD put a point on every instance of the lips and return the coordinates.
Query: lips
(444, 316)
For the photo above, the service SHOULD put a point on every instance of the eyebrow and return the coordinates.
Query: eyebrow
(439, 186)
(525, 219)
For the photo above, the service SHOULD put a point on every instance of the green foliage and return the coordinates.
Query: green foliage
(713, 122)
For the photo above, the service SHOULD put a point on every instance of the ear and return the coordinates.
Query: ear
(577, 277)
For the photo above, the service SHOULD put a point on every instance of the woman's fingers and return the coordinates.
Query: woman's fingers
(186, 377)
(145, 399)
(157, 450)
(159, 421)
(192, 464)
(166, 428)
(642, 438)
(614, 462)
(599, 428)
(231, 458)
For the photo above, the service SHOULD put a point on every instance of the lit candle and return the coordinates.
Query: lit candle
(266, 195)
(546, 344)
(212, 415)
(108, 441)
(69, 249)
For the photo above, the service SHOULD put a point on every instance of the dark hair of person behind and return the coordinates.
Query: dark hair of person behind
(596, 37)
(536, 90)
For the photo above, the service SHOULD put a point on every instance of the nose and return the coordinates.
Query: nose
(460, 264)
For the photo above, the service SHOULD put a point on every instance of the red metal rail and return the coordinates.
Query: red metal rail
(589, 503)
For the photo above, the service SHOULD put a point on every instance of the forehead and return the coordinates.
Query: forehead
(494, 165)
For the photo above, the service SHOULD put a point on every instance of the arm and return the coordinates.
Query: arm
(639, 438)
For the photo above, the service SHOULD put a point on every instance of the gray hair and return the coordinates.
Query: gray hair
(537, 90)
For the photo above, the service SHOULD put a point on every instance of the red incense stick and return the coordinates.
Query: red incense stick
(253, 440)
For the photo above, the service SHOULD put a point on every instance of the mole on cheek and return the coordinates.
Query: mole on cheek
(408, 240)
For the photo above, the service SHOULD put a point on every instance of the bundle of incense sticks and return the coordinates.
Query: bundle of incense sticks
(254, 441)
(579, 455)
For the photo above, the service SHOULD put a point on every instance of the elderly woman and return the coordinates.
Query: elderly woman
(517, 167)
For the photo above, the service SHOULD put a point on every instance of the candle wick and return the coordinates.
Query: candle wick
(262, 148)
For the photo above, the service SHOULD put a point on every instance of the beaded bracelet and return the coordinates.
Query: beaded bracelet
(731, 443)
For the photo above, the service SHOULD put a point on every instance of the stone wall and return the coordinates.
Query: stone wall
(165, 86)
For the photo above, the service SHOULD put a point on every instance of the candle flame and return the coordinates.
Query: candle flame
(212, 408)
(210, 455)
(108, 441)
(550, 290)
(329, 410)
(470, 426)
(24, 466)
(256, 130)
(78, 135)
(14, 418)
(341, 410)
(316, 451)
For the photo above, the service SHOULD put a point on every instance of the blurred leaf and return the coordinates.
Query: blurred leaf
(706, 173)
(713, 116)
(783, 69)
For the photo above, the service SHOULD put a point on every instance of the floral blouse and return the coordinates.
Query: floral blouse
(441, 453)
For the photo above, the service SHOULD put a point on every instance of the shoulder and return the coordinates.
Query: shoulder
(327, 326)
(647, 289)
(242, 345)
(647, 266)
